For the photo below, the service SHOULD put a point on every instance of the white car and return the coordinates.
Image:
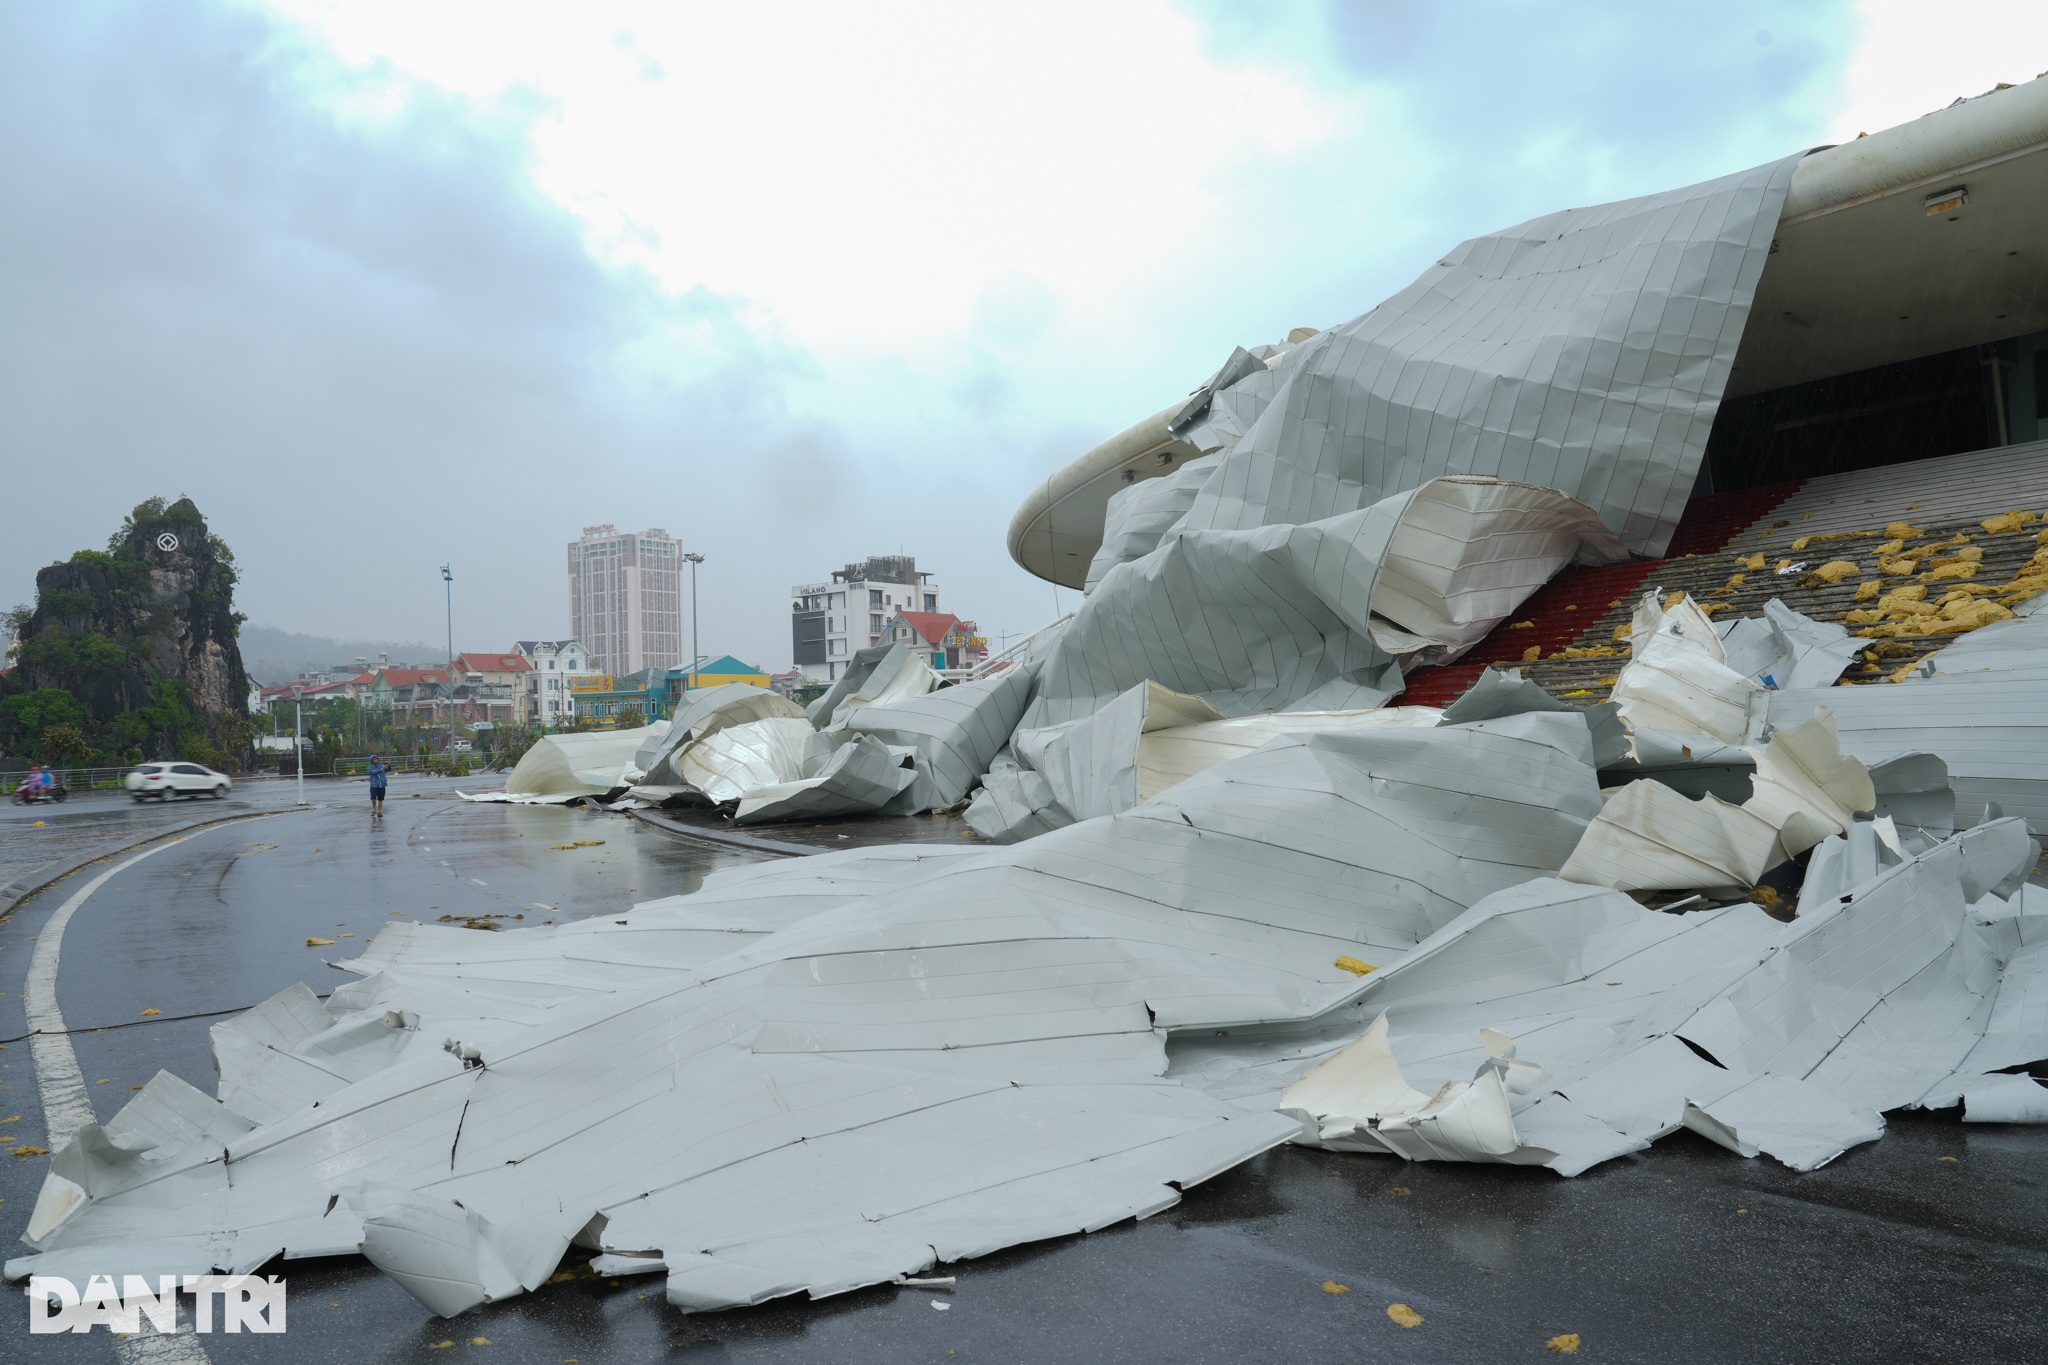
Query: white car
(165, 780)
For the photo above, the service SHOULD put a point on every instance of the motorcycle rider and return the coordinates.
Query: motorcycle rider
(36, 786)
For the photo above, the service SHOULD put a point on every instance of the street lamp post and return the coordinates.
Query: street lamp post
(448, 581)
(299, 740)
(696, 657)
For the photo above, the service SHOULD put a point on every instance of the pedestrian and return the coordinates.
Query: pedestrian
(380, 776)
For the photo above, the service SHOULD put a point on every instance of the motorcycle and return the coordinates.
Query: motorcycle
(24, 797)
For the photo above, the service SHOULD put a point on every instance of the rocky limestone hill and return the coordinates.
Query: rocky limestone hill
(130, 653)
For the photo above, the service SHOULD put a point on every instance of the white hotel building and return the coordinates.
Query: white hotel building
(830, 621)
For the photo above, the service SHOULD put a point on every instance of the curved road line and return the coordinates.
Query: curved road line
(66, 1105)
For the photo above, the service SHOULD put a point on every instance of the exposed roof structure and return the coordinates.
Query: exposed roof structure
(1858, 273)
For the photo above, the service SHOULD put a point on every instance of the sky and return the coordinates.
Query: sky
(384, 285)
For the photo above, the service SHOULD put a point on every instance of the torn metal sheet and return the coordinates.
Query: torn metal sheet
(1678, 677)
(825, 1072)
(1983, 709)
(861, 774)
(876, 676)
(1264, 617)
(1650, 837)
(1505, 692)
(1785, 649)
(1785, 1039)
(572, 765)
(956, 732)
(1467, 552)
(1014, 802)
(1488, 362)
(702, 713)
(1147, 740)
(735, 760)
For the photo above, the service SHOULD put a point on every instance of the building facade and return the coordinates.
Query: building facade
(503, 674)
(552, 665)
(945, 642)
(626, 598)
(830, 621)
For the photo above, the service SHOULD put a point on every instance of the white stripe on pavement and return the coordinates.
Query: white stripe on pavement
(66, 1106)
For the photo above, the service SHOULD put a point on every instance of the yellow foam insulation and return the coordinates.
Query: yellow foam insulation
(1738, 580)
(2007, 522)
(1802, 542)
(1900, 530)
(1973, 553)
(1836, 570)
(1952, 570)
(1532, 654)
(1898, 568)
(1967, 614)
(1754, 563)
(1868, 590)
(1891, 547)
(1863, 618)
(1587, 652)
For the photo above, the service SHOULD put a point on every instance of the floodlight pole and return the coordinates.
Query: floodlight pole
(299, 740)
(448, 581)
(696, 657)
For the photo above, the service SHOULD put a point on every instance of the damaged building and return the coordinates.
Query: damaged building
(1595, 693)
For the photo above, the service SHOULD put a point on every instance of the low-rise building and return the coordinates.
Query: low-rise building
(508, 671)
(944, 641)
(552, 666)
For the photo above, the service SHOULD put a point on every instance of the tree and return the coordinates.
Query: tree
(25, 718)
(628, 717)
(64, 746)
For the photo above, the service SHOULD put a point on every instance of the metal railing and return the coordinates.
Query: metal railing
(73, 779)
(76, 780)
(1023, 651)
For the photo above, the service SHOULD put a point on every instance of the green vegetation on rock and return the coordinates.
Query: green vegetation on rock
(129, 653)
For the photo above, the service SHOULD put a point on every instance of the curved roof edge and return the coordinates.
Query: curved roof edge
(1044, 542)
(1948, 142)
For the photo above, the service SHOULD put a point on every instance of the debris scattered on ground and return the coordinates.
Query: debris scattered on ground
(1230, 898)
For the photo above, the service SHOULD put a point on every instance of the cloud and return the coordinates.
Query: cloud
(382, 285)
(362, 347)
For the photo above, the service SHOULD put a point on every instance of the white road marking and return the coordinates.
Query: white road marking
(66, 1106)
(151, 1347)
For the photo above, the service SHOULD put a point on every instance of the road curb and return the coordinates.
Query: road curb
(49, 874)
(746, 843)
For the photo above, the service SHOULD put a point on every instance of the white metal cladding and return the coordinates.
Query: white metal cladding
(1586, 350)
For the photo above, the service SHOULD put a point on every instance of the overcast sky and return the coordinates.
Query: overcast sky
(386, 284)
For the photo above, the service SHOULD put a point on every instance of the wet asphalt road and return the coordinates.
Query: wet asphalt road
(1930, 1245)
